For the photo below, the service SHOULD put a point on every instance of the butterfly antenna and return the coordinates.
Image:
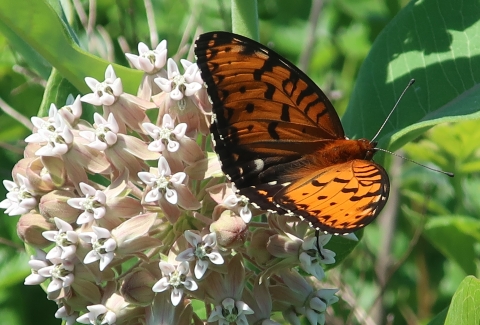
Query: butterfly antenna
(419, 164)
(393, 109)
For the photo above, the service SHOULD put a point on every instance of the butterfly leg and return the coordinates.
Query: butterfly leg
(317, 234)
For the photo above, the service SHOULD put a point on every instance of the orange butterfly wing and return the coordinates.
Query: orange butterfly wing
(341, 198)
(275, 130)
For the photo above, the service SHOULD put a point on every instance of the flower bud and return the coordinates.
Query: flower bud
(30, 227)
(54, 204)
(258, 243)
(230, 229)
(137, 287)
(33, 169)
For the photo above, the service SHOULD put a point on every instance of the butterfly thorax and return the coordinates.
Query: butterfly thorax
(342, 150)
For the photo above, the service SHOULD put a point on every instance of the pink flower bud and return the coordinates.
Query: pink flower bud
(137, 287)
(258, 242)
(30, 227)
(230, 229)
(33, 169)
(54, 204)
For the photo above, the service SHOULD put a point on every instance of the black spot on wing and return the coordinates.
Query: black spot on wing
(270, 91)
(272, 130)
(318, 184)
(285, 113)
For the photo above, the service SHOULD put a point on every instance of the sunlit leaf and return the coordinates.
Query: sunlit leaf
(429, 41)
(464, 307)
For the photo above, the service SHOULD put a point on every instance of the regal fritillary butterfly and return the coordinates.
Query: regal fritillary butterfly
(280, 140)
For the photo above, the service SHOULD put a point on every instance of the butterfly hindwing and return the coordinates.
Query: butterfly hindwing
(340, 198)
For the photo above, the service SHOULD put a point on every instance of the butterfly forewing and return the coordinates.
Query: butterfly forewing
(271, 124)
(244, 77)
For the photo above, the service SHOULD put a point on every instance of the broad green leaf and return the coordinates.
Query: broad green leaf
(41, 36)
(465, 302)
(455, 237)
(433, 42)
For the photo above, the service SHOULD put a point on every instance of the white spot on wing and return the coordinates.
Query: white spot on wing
(259, 165)
(255, 205)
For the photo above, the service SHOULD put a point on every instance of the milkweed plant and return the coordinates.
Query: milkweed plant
(132, 221)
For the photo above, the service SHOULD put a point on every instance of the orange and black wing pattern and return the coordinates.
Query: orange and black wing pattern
(271, 124)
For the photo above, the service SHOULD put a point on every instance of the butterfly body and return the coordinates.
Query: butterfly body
(280, 140)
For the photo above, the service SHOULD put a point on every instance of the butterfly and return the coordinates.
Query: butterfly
(280, 140)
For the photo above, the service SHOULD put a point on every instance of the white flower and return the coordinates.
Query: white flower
(103, 246)
(46, 124)
(203, 250)
(61, 274)
(106, 92)
(57, 137)
(98, 314)
(37, 262)
(175, 276)
(63, 313)
(309, 259)
(179, 85)
(150, 61)
(193, 75)
(167, 134)
(231, 311)
(72, 111)
(20, 199)
(65, 238)
(105, 134)
(163, 185)
(239, 205)
(317, 305)
(93, 204)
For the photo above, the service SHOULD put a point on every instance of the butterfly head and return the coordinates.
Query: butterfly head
(368, 148)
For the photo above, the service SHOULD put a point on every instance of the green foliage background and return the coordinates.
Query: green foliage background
(423, 250)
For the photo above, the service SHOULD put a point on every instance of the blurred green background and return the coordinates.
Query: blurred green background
(414, 257)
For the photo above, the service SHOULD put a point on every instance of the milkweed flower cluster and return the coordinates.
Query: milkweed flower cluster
(132, 220)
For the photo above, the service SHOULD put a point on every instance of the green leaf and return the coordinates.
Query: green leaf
(455, 237)
(439, 319)
(464, 307)
(43, 39)
(430, 41)
(13, 269)
(342, 247)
